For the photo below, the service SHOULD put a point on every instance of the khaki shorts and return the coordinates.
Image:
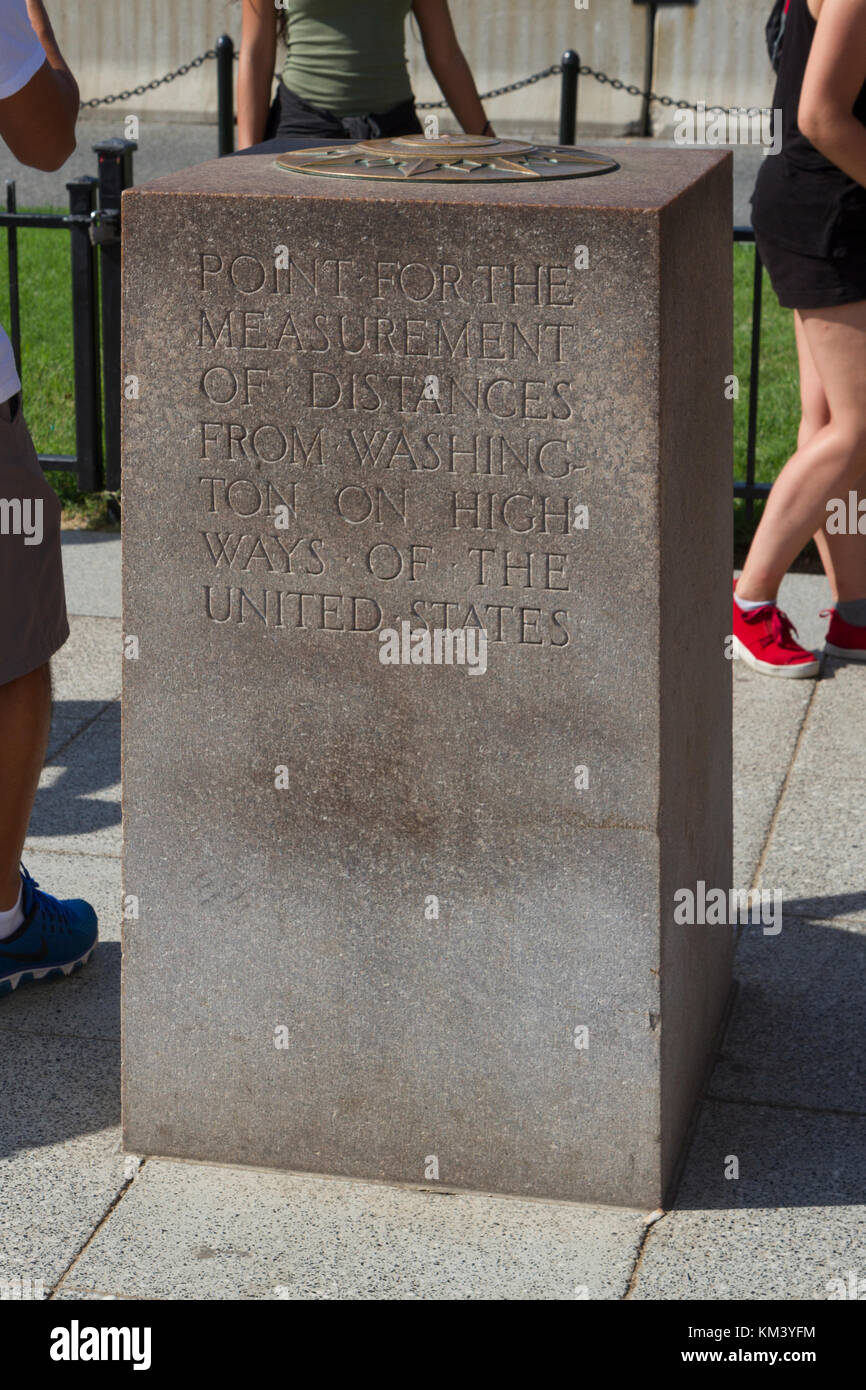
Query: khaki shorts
(33, 623)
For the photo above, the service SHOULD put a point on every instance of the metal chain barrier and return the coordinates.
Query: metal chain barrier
(586, 71)
(553, 71)
(157, 82)
(500, 91)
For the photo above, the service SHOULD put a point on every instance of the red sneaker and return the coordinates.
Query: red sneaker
(844, 639)
(763, 638)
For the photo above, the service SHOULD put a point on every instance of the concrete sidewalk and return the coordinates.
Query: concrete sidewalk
(788, 1096)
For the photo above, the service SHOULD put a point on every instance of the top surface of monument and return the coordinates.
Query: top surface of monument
(447, 159)
(648, 179)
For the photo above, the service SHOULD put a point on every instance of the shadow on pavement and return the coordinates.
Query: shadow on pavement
(89, 763)
(787, 1099)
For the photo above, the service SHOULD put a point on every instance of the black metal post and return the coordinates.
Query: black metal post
(85, 335)
(14, 296)
(115, 174)
(568, 97)
(649, 65)
(225, 52)
(754, 368)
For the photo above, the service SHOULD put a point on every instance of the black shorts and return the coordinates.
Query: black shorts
(33, 620)
(813, 282)
(810, 230)
(291, 116)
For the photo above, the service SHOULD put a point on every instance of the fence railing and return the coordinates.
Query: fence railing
(94, 225)
(750, 489)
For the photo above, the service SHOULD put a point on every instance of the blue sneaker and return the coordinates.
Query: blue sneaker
(54, 938)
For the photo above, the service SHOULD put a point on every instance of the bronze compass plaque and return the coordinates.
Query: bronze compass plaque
(447, 159)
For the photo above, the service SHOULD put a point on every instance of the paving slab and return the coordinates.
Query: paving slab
(817, 851)
(88, 1296)
(61, 1165)
(795, 1035)
(834, 748)
(88, 665)
(68, 720)
(77, 806)
(86, 677)
(764, 710)
(793, 1221)
(828, 717)
(197, 1231)
(91, 572)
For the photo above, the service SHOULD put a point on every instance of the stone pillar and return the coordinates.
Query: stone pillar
(415, 921)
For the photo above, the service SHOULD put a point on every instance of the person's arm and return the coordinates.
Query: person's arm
(256, 69)
(38, 121)
(449, 66)
(835, 73)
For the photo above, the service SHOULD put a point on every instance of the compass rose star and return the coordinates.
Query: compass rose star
(514, 166)
(458, 159)
(418, 166)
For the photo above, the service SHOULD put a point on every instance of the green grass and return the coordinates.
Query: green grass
(46, 319)
(46, 334)
(45, 288)
(779, 395)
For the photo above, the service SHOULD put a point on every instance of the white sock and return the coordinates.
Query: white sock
(11, 919)
(747, 604)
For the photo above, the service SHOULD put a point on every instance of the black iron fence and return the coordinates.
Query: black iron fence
(571, 69)
(750, 489)
(94, 226)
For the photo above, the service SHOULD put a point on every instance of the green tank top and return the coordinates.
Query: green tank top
(348, 56)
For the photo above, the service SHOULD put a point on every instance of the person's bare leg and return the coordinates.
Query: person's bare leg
(831, 462)
(843, 556)
(814, 415)
(25, 719)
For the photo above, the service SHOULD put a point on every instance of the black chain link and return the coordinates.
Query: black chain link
(586, 71)
(157, 82)
(553, 71)
(500, 91)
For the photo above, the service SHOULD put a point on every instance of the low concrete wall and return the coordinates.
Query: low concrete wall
(714, 53)
(709, 52)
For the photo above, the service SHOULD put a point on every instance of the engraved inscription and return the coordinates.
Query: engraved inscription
(384, 441)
